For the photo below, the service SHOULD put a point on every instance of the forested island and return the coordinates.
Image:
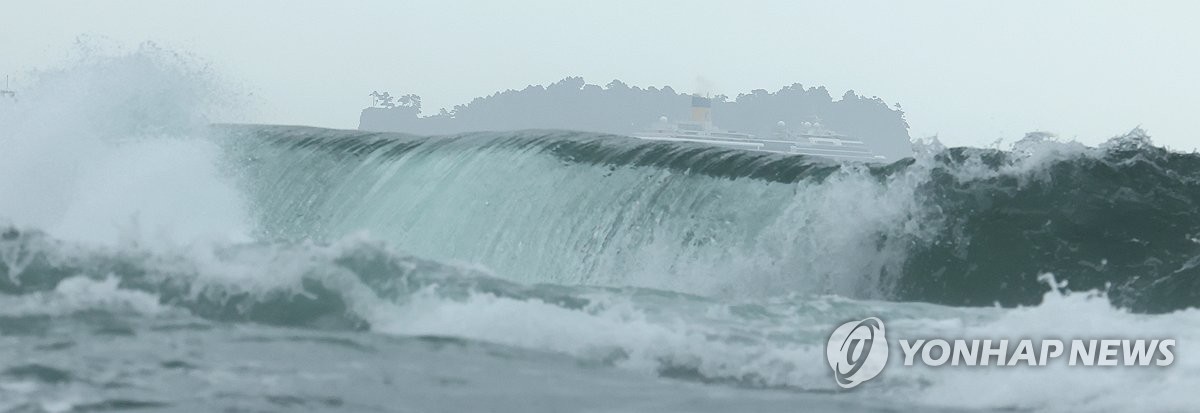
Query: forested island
(619, 108)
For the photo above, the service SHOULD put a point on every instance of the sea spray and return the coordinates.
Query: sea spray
(114, 143)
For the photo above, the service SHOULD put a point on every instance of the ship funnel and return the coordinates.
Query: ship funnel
(701, 109)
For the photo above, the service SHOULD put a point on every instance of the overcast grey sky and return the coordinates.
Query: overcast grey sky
(970, 71)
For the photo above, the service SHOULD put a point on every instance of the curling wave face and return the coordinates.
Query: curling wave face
(956, 226)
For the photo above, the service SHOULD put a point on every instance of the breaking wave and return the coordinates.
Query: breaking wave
(960, 226)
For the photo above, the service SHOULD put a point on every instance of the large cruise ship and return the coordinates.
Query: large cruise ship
(808, 138)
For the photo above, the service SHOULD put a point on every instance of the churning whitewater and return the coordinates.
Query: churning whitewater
(150, 259)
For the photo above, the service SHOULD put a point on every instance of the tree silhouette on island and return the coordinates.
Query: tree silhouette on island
(618, 108)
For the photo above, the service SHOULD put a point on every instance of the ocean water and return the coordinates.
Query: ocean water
(152, 260)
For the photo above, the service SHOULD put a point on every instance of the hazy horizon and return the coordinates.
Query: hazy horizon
(970, 73)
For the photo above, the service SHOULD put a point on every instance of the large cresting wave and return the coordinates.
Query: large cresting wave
(960, 226)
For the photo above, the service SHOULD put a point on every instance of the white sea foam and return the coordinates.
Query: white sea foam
(788, 350)
(113, 144)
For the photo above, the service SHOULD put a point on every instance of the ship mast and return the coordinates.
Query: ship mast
(6, 92)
